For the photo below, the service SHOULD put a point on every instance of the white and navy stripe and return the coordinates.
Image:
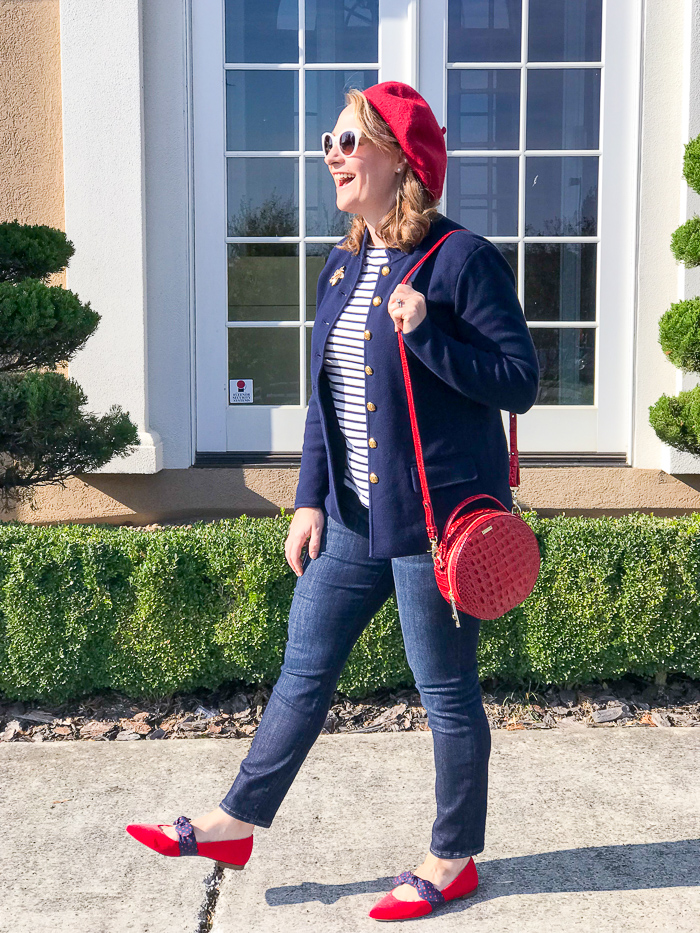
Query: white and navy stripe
(344, 362)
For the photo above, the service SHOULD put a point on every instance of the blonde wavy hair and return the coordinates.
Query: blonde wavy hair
(408, 221)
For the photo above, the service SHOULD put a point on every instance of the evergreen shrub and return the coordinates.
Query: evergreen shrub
(85, 608)
(685, 242)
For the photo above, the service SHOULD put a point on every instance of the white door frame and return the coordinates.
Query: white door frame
(405, 27)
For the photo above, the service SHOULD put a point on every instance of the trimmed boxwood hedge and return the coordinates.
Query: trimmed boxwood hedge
(85, 608)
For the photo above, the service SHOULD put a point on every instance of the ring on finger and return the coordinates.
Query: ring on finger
(399, 302)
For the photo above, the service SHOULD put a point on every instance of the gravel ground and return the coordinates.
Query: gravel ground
(234, 710)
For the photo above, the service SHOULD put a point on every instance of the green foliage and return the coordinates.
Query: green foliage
(691, 164)
(46, 435)
(63, 590)
(41, 325)
(685, 242)
(614, 596)
(91, 607)
(679, 334)
(676, 420)
(32, 251)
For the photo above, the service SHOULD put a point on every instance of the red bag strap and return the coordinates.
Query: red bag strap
(514, 466)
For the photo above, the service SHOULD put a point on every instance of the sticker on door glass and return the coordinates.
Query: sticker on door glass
(240, 391)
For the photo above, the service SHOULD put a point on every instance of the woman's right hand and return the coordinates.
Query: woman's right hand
(306, 523)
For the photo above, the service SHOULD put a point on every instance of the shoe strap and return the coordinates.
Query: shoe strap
(186, 837)
(426, 889)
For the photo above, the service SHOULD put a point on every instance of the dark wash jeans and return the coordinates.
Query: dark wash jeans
(334, 600)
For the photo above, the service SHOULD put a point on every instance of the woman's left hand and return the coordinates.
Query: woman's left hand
(407, 315)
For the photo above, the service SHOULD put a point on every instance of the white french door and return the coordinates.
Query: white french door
(539, 98)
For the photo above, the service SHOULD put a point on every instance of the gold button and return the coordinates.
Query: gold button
(372, 442)
(376, 300)
(368, 335)
(373, 478)
(385, 270)
(371, 406)
(369, 370)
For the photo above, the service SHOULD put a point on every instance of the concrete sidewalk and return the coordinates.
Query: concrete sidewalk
(597, 830)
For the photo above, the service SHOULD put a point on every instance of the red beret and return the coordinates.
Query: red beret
(414, 125)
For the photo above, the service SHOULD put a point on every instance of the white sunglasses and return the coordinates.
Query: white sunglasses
(348, 141)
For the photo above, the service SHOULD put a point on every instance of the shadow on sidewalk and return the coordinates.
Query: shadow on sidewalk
(596, 868)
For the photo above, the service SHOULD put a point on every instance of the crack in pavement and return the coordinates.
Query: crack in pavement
(212, 884)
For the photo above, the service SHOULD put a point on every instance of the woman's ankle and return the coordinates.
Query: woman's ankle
(221, 818)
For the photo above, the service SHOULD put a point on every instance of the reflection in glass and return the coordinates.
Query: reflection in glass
(510, 252)
(262, 196)
(262, 31)
(262, 110)
(325, 98)
(483, 109)
(567, 363)
(484, 30)
(263, 282)
(308, 364)
(563, 108)
(316, 256)
(560, 281)
(482, 194)
(270, 357)
(342, 30)
(322, 216)
(564, 30)
(561, 195)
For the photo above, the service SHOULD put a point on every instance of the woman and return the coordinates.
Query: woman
(358, 504)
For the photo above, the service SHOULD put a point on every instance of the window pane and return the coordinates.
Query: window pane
(316, 256)
(561, 196)
(484, 30)
(482, 194)
(560, 281)
(322, 216)
(564, 30)
(342, 30)
(263, 282)
(262, 197)
(567, 362)
(270, 357)
(325, 98)
(563, 108)
(262, 31)
(483, 109)
(510, 252)
(308, 364)
(262, 110)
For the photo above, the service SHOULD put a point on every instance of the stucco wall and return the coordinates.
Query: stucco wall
(31, 156)
(186, 495)
(660, 197)
(167, 232)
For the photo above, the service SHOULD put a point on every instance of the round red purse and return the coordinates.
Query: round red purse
(488, 559)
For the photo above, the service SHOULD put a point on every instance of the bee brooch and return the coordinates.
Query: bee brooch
(337, 275)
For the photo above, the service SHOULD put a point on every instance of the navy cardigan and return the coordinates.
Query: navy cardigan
(471, 357)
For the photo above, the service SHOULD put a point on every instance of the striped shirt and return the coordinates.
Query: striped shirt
(344, 362)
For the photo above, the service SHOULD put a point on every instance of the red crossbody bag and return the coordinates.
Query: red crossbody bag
(488, 558)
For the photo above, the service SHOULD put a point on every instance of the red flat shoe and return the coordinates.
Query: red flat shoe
(391, 908)
(231, 853)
